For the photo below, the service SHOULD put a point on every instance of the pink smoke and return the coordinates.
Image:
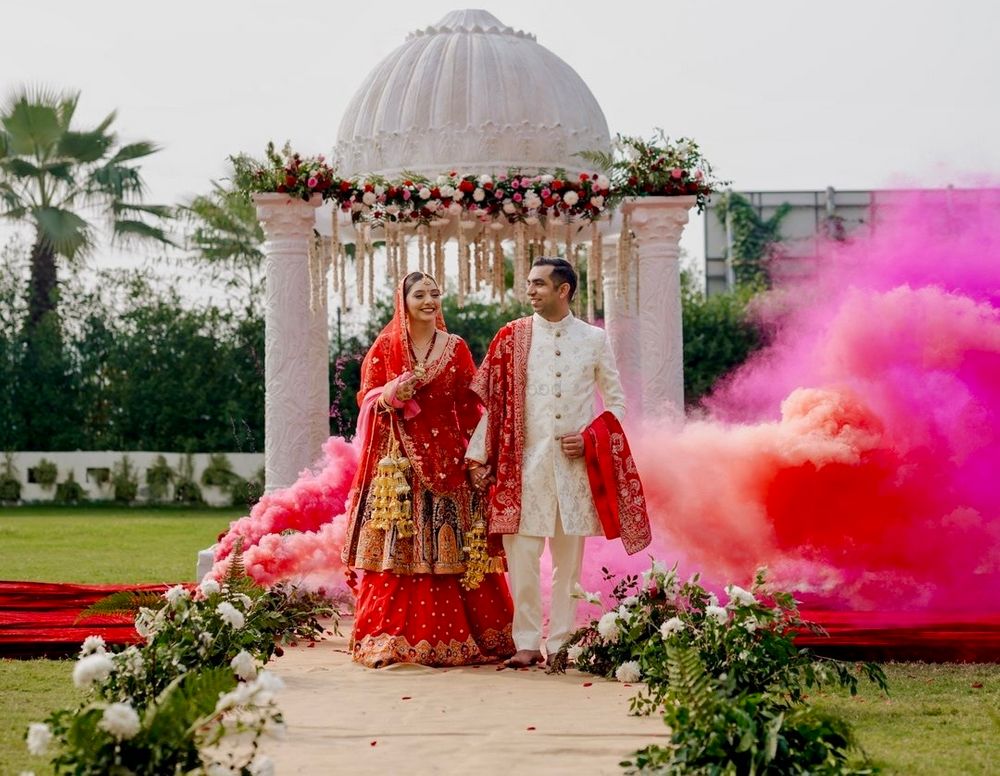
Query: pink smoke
(856, 454)
(296, 534)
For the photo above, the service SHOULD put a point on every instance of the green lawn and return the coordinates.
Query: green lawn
(31, 690)
(101, 544)
(938, 719)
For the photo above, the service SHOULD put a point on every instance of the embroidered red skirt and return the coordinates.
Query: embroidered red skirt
(429, 619)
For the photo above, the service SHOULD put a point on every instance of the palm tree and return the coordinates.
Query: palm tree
(60, 178)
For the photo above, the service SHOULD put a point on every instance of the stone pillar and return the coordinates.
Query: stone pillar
(296, 400)
(657, 224)
(622, 323)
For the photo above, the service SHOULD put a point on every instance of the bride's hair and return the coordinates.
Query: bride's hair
(412, 279)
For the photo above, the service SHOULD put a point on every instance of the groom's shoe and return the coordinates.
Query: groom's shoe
(525, 658)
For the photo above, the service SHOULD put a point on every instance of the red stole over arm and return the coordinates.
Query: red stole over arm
(615, 484)
(501, 384)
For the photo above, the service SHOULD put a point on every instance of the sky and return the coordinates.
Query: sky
(780, 94)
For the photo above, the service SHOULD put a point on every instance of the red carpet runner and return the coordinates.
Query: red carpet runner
(38, 619)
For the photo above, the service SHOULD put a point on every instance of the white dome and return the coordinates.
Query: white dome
(472, 94)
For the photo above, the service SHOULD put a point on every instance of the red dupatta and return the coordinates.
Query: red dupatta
(615, 484)
(501, 383)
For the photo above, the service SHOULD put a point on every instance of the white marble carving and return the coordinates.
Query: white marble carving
(296, 402)
(470, 93)
(657, 223)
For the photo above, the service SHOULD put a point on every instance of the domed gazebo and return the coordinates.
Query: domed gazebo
(470, 94)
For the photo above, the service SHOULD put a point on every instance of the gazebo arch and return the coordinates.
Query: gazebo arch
(467, 94)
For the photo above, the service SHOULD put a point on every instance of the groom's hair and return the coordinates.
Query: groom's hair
(562, 272)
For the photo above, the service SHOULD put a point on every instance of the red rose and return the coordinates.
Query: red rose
(488, 185)
(548, 202)
(436, 193)
(467, 186)
(345, 185)
(557, 184)
(632, 180)
(281, 188)
(289, 180)
(584, 176)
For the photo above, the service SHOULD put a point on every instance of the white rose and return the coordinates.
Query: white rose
(479, 195)
(175, 595)
(547, 179)
(571, 198)
(628, 672)
(458, 195)
(231, 615)
(209, 587)
(121, 721)
(244, 666)
(424, 193)
(671, 626)
(92, 644)
(509, 206)
(574, 652)
(265, 686)
(717, 613)
(240, 696)
(602, 181)
(447, 191)
(92, 668)
(607, 626)
(39, 738)
(379, 190)
(739, 597)
(597, 201)
(369, 198)
(433, 205)
(482, 180)
(532, 201)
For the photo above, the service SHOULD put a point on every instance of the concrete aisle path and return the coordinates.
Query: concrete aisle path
(343, 718)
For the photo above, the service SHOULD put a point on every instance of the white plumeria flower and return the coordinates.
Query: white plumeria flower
(244, 666)
(209, 587)
(39, 738)
(717, 613)
(92, 645)
(121, 721)
(628, 671)
(574, 652)
(231, 615)
(607, 626)
(92, 668)
(262, 765)
(176, 594)
(672, 626)
(739, 597)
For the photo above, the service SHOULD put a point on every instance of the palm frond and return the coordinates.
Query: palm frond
(123, 602)
(32, 122)
(85, 147)
(125, 230)
(132, 151)
(67, 233)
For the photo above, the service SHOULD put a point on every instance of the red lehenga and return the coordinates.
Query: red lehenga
(411, 606)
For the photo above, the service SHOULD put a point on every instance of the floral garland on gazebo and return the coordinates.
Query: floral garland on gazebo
(479, 210)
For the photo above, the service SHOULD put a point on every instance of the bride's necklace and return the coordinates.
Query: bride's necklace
(419, 368)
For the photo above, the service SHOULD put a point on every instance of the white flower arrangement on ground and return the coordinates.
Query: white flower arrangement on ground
(200, 666)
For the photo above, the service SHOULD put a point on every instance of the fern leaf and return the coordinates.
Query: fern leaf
(123, 602)
(689, 681)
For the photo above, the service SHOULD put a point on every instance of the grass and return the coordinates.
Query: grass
(938, 718)
(106, 544)
(31, 690)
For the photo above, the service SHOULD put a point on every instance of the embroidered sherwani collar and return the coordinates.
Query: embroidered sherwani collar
(553, 326)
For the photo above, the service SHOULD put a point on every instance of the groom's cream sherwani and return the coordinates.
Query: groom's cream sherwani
(569, 362)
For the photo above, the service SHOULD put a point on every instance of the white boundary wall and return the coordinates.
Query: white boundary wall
(246, 465)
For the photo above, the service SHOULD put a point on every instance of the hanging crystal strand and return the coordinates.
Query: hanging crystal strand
(342, 261)
(370, 251)
(422, 246)
(520, 256)
(597, 257)
(476, 259)
(392, 252)
(335, 247)
(463, 263)
(404, 256)
(326, 261)
(359, 261)
(438, 258)
(501, 268)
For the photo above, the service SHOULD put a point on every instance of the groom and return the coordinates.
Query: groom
(538, 384)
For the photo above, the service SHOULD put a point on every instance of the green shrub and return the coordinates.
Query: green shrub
(186, 490)
(159, 477)
(219, 472)
(125, 481)
(45, 473)
(10, 485)
(70, 491)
